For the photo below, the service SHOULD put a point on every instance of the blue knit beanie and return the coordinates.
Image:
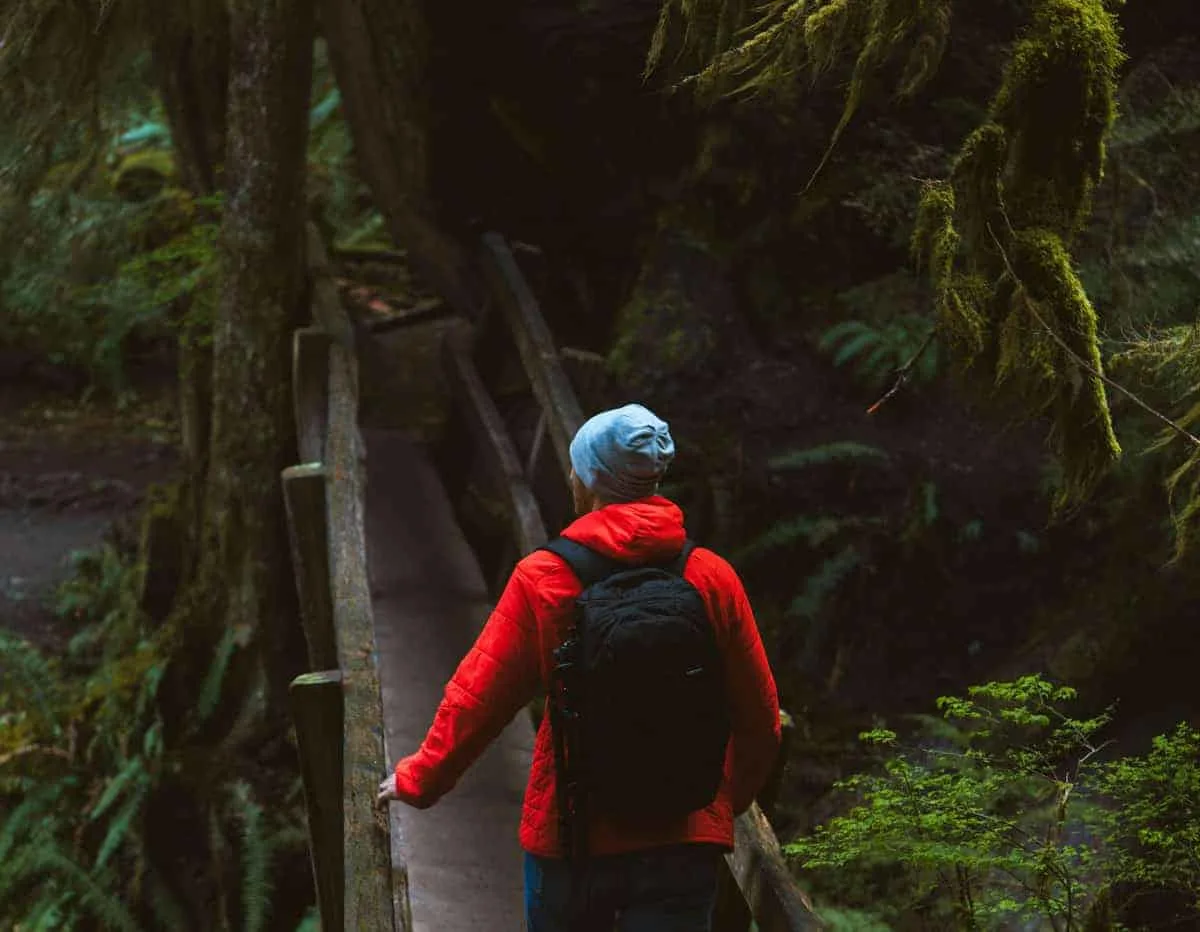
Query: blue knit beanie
(622, 454)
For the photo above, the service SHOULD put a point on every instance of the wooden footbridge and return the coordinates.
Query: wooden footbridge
(392, 595)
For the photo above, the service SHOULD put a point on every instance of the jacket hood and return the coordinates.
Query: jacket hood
(648, 530)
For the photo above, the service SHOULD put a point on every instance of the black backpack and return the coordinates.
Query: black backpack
(638, 702)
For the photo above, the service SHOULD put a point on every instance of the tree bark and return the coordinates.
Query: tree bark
(190, 49)
(378, 49)
(189, 41)
(244, 545)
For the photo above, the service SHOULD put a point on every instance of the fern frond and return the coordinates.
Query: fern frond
(820, 584)
(256, 859)
(813, 531)
(210, 691)
(124, 819)
(133, 771)
(1177, 115)
(92, 891)
(835, 334)
(30, 814)
(826, 453)
(856, 345)
(51, 911)
(30, 676)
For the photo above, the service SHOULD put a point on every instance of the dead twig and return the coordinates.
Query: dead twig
(903, 372)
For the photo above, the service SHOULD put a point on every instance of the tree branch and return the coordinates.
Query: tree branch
(903, 372)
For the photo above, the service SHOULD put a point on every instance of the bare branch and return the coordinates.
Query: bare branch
(904, 371)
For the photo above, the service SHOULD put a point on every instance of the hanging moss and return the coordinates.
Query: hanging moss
(994, 238)
(1057, 101)
(1066, 372)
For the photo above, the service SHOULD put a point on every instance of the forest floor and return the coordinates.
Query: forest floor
(69, 470)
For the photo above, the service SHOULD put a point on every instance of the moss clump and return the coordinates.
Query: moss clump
(144, 174)
(654, 329)
(659, 335)
(995, 237)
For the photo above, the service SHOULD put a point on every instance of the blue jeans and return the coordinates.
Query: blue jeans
(659, 890)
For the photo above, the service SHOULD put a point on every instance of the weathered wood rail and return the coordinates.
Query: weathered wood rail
(337, 706)
(758, 885)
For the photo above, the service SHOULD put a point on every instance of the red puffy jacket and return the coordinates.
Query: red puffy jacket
(514, 655)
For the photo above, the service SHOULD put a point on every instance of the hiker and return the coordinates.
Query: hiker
(662, 709)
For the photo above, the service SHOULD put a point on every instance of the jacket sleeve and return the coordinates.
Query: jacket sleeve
(497, 677)
(755, 718)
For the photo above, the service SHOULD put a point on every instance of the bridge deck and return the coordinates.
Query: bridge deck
(430, 600)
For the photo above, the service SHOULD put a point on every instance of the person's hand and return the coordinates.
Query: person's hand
(387, 791)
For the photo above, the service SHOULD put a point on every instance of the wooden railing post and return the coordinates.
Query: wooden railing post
(310, 391)
(317, 711)
(305, 502)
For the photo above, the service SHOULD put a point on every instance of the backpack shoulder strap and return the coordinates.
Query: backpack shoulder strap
(586, 563)
(677, 566)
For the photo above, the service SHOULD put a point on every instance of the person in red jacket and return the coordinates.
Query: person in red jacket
(659, 878)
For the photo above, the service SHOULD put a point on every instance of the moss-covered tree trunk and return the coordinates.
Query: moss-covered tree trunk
(379, 52)
(244, 581)
(189, 42)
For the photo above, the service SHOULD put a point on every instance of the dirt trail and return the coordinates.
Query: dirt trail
(67, 472)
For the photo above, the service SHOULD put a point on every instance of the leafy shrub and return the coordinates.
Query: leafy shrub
(1002, 813)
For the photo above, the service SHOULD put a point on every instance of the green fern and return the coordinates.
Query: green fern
(210, 691)
(129, 775)
(812, 531)
(93, 891)
(27, 674)
(820, 584)
(124, 820)
(878, 351)
(836, 451)
(833, 538)
(256, 859)
(28, 816)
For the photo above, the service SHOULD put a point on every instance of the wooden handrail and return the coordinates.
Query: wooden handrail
(338, 712)
(535, 343)
(770, 894)
(487, 427)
